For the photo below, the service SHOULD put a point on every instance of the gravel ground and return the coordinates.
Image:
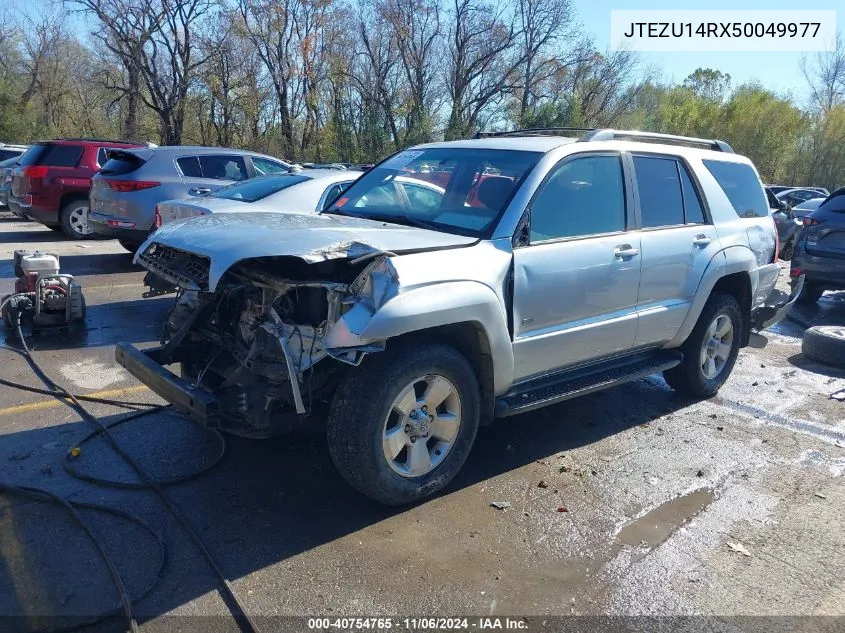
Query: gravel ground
(629, 502)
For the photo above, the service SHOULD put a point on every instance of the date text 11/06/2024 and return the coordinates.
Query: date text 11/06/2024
(418, 624)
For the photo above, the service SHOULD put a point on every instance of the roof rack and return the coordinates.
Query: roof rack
(595, 134)
(538, 131)
(107, 140)
(655, 137)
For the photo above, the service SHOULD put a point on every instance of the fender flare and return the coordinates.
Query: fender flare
(431, 306)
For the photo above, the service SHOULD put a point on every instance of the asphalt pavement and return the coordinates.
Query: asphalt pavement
(629, 502)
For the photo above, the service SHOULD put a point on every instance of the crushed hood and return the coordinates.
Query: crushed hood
(225, 239)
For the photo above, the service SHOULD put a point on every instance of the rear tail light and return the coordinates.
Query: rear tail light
(121, 224)
(157, 218)
(794, 272)
(35, 171)
(777, 247)
(125, 186)
(811, 221)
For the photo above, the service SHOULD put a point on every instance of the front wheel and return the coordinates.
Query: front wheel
(810, 293)
(74, 220)
(402, 424)
(129, 246)
(710, 350)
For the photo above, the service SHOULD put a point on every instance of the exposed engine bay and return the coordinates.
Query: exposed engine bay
(272, 348)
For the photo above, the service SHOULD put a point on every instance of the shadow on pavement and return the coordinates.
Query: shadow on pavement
(266, 502)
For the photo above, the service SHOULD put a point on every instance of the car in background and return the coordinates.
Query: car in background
(807, 207)
(787, 225)
(127, 189)
(8, 151)
(776, 189)
(820, 249)
(6, 167)
(825, 193)
(794, 197)
(311, 190)
(52, 180)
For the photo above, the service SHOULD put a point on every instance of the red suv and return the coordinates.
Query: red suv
(53, 179)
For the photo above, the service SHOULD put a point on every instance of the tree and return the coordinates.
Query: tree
(708, 84)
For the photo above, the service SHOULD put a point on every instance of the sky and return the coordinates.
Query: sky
(780, 72)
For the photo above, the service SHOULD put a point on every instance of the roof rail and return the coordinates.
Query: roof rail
(107, 140)
(655, 137)
(537, 131)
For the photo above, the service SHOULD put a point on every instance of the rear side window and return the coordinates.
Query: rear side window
(265, 166)
(102, 156)
(120, 163)
(223, 167)
(52, 155)
(742, 187)
(659, 185)
(258, 188)
(5, 154)
(693, 210)
(189, 166)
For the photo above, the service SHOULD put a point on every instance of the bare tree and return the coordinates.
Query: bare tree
(483, 62)
(825, 74)
(416, 26)
(544, 26)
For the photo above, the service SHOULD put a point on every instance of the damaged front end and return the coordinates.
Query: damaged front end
(264, 350)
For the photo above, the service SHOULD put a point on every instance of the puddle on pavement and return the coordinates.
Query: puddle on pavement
(657, 525)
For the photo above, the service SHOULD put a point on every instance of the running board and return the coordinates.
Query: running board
(572, 384)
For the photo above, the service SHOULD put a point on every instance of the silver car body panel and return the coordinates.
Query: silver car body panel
(573, 301)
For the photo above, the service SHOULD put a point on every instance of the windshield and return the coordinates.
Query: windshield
(451, 189)
(258, 188)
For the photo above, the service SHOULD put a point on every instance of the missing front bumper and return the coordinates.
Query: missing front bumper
(195, 402)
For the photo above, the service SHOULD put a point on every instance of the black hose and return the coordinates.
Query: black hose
(229, 597)
(38, 494)
(69, 460)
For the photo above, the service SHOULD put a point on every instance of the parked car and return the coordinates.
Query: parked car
(11, 151)
(125, 192)
(308, 190)
(788, 226)
(807, 207)
(776, 189)
(6, 167)
(825, 193)
(52, 181)
(820, 249)
(793, 197)
(413, 326)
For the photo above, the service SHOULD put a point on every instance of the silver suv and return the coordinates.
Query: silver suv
(529, 269)
(125, 191)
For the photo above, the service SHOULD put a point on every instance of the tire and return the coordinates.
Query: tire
(78, 308)
(810, 293)
(74, 220)
(825, 344)
(129, 246)
(364, 412)
(55, 227)
(788, 250)
(689, 377)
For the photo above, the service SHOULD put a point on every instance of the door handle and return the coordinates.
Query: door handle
(701, 240)
(625, 251)
(199, 191)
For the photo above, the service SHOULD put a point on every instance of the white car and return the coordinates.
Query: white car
(296, 191)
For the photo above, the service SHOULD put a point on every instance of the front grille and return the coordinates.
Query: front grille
(181, 267)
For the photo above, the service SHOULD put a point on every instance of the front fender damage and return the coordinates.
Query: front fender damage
(271, 347)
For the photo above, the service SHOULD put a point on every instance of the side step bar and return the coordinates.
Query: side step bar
(565, 386)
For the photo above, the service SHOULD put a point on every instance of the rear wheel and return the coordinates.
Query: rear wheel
(402, 424)
(74, 220)
(825, 344)
(710, 350)
(788, 250)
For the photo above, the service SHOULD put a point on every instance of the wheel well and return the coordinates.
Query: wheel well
(471, 340)
(71, 197)
(738, 285)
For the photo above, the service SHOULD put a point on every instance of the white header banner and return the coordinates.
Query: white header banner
(774, 31)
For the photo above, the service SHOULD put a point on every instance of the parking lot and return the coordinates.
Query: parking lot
(628, 502)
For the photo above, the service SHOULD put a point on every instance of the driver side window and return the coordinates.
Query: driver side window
(582, 196)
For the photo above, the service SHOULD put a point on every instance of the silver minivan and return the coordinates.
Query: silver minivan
(127, 188)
